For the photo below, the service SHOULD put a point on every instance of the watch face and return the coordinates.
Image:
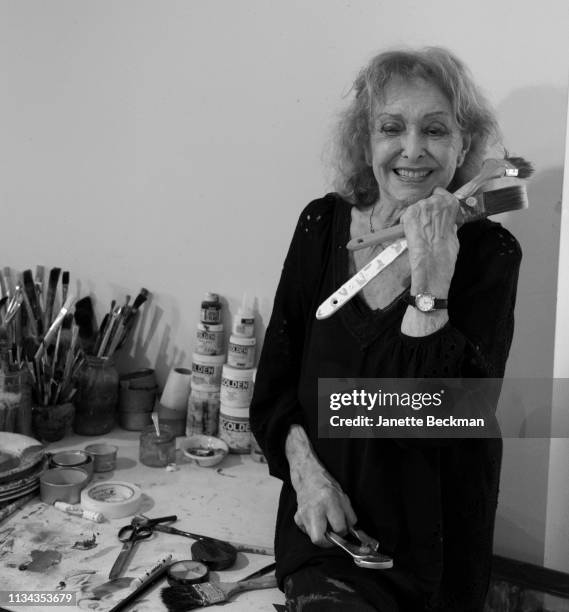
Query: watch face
(425, 302)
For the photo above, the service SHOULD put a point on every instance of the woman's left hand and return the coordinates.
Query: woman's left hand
(430, 229)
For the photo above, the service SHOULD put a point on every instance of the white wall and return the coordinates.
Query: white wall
(172, 143)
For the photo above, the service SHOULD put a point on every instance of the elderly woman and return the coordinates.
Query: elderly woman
(417, 129)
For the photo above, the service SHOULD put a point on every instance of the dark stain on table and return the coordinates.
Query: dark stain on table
(41, 561)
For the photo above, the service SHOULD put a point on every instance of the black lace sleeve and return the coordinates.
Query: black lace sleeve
(275, 406)
(476, 341)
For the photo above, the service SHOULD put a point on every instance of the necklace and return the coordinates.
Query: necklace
(371, 219)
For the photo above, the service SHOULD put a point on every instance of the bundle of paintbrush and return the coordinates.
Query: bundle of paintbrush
(38, 328)
(117, 325)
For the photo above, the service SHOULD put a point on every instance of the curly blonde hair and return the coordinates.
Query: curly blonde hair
(354, 178)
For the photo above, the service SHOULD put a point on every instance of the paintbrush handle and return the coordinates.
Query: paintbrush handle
(239, 546)
(158, 575)
(52, 331)
(265, 582)
(15, 506)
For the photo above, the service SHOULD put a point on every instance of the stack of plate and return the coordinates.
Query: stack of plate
(22, 460)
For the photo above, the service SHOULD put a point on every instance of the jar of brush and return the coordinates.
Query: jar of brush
(97, 396)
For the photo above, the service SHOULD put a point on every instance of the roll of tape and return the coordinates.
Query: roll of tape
(115, 499)
(187, 572)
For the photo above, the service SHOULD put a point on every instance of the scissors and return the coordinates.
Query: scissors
(129, 535)
(365, 553)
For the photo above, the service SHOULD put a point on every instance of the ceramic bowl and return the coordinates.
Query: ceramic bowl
(206, 451)
(62, 484)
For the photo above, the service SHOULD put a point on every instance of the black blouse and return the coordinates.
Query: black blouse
(432, 505)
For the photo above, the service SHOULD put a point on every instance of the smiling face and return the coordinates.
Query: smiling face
(415, 144)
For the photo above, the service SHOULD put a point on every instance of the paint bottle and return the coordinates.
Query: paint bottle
(241, 352)
(206, 371)
(236, 386)
(210, 311)
(210, 339)
(234, 428)
(203, 413)
(244, 320)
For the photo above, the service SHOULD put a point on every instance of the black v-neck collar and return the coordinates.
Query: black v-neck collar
(362, 321)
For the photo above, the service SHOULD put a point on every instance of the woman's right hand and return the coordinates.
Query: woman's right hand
(322, 504)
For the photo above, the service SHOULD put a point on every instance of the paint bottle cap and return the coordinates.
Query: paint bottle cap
(211, 297)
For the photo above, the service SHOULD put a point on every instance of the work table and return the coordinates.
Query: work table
(235, 500)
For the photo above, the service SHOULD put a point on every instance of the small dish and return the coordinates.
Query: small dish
(73, 459)
(206, 451)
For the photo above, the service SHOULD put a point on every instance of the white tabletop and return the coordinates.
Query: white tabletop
(235, 500)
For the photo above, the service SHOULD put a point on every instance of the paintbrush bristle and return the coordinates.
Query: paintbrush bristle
(182, 598)
(506, 200)
(524, 167)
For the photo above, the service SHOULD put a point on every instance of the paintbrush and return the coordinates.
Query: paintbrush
(103, 328)
(86, 321)
(130, 318)
(491, 169)
(8, 280)
(4, 289)
(52, 331)
(141, 584)
(115, 314)
(31, 295)
(473, 208)
(181, 598)
(16, 505)
(64, 285)
(50, 295)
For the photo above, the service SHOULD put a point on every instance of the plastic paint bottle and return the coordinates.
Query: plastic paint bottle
(234, 428)
(241, 352)
(244, 320)
(210, 311)
(210, 339)
(206, 372)
(236, 387)
(203, 413)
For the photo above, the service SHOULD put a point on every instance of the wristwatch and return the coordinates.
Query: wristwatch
(425, 302)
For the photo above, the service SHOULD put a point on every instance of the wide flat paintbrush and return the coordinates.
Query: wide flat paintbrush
(87, 323)
(181, 598)
(32, 303)
(484, 204)
(64, 285)
(50, 295)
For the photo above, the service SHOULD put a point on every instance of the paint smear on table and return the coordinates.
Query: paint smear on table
(92, 595)
(86, 544)
(100, 553)
(41, 561)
